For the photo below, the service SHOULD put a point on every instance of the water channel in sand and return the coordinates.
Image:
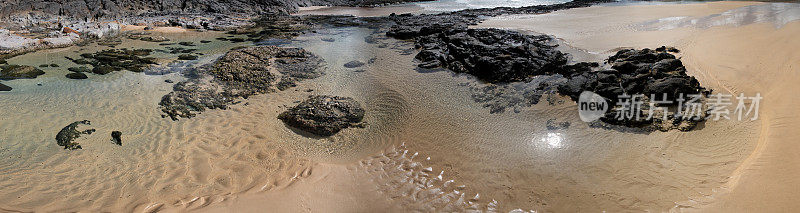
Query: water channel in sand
(428, 145)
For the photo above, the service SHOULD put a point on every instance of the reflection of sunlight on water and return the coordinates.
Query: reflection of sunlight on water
(552, 140)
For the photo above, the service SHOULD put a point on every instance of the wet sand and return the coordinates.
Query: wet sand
(428, 145)
(750, 48)
(725, 166)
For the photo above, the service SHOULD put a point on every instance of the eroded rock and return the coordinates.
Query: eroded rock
(10, 72)
(239, 73)
(69, 133)
(324, 115)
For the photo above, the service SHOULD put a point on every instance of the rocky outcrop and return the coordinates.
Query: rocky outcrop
(69, 133)
(324, 115)
(76, 75)
(645, 72)
(492, 55)
(4, 87)
(29, 12)
(111, 60)
(239, 73)
(408, 26)
(10, 72)
(116, 137)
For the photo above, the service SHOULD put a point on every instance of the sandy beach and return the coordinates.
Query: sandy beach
(737, 52)
(427, 144)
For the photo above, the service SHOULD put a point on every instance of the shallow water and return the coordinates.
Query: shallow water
(511, 159)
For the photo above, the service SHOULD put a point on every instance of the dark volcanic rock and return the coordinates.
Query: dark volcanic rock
(354, 64)
(79, 69)
(111, 60)
(646, 72)
(76, 75)
(69, 133)
(492, 55)
(324, 115)
(154, 38)
(10, 72)
(116, 137)
(187, 57)
(240, 73)
(4, 87)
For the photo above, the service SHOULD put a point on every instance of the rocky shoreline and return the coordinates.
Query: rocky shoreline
(494, 56)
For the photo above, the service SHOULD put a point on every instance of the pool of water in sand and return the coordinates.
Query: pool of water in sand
(512, 160)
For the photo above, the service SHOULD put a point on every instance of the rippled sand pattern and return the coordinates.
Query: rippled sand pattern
(428, 145)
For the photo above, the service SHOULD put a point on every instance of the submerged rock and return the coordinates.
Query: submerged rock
(187, 57)
(154, 38)
(3, 87)
(76, 75)
(79, 69)
(239, 73)
(324, 115)
(354, 64)
(111, 60)
(10, 72)
(69, 133)
(116, 137)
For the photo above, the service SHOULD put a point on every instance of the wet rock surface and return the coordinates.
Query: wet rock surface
(354, 64)
(11, 72)
(324, 115)
(240, 73)
(492, 55)
(116, 137)
(76, 75)
(111, 60)
(69, 133)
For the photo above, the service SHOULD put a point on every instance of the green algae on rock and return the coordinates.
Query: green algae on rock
(324, 115)
(239, 73)
(69, 133)
(10, 72)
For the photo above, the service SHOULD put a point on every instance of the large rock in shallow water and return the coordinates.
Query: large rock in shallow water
(10, 72)
(324, 115)
(492, 55)
(69, 133)
(240, 73)
(3, 87)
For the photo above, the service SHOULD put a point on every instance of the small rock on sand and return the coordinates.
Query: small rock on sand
(3, 87)
(116, 137)
(354, 64)
(77, 75)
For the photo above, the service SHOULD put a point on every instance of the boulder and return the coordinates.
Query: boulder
(4, 87)
(10, 72)
(116, 137)
(354, 64)
(76, 75)
(69, 133)
(324, 115)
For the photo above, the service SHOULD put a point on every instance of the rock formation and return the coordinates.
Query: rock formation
(324, 115)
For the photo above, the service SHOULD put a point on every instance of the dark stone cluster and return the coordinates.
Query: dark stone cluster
(493, 55)
(324, 115)
(107, 61)
(69, 133)
(240, 73)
